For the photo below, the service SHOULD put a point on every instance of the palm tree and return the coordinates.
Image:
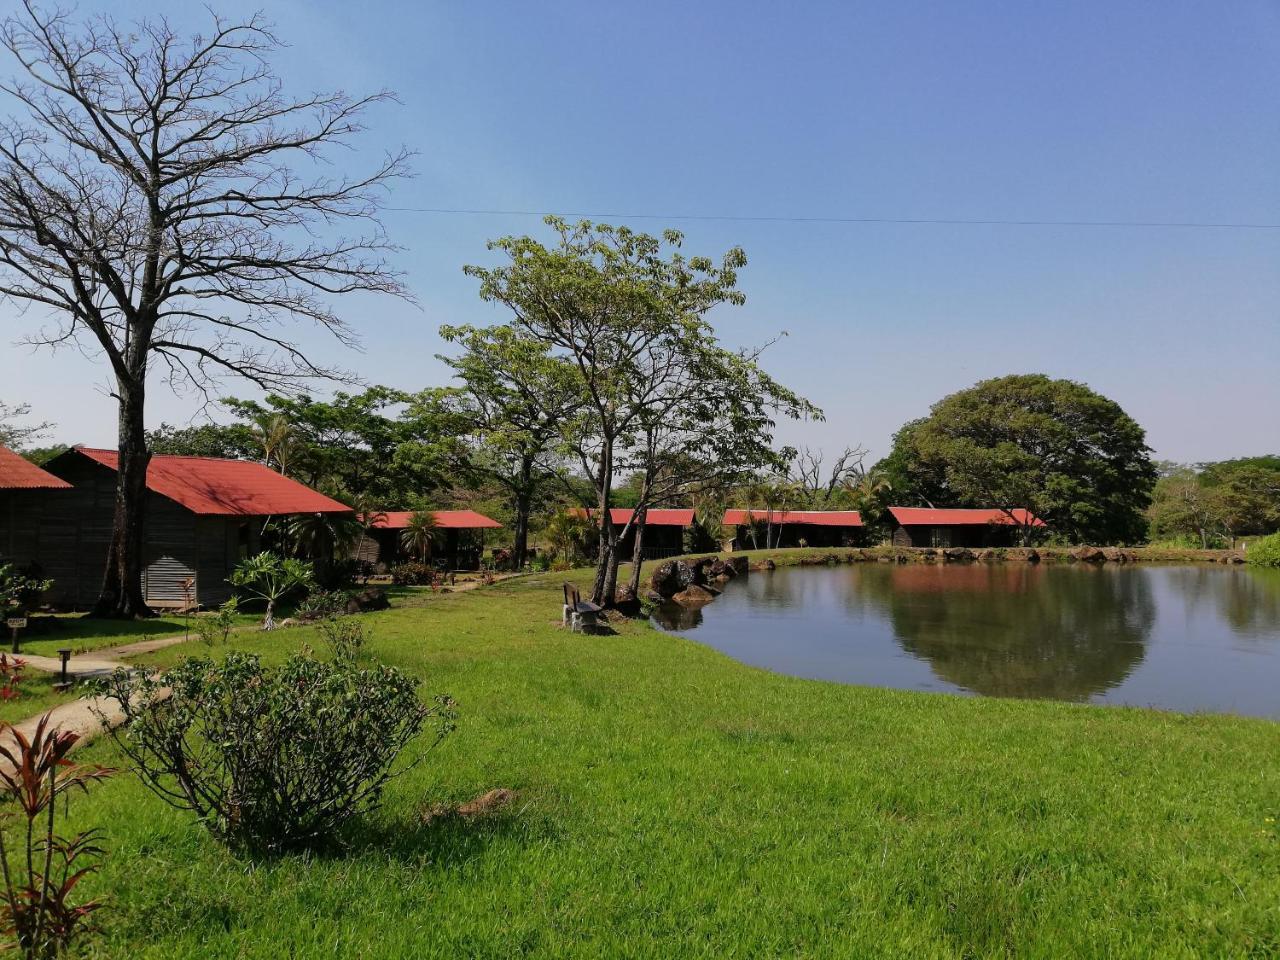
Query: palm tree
(868, 494)
(275, 435)
(419, 534)
(323, 536)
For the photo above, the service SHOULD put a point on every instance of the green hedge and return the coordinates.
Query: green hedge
(1265, 552)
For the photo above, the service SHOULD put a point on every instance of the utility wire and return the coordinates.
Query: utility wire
(945, 221)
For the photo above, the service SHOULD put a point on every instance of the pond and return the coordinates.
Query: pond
(1188, 638)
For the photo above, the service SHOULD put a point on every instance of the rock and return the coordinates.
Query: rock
(990, 556)
(723, 570)
(958, 555)
(370, 598)
(769, 565)
(694, 595)
(1026, 554)
(1114, 555)
(1233, 558)
(721, 579)
(287, 622)
(665, 579)
(1088, 555)
(674, 576)
(740, 565)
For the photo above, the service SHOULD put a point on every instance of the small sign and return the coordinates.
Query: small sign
(16, 623)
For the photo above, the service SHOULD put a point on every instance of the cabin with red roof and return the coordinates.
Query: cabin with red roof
(26, 492)
(973, 528)
(460, 532)
(203, 516)
(664, 531)
(793, 528)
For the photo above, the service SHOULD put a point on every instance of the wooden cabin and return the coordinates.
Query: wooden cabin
(973, 528)
(460, 536)
(788, 528)
(27, 494)
(203, 516)
(663, 531)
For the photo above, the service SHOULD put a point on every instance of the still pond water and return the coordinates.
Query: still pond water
(1175, 637)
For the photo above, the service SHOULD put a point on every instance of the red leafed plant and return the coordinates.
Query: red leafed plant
(10, 676)
(40, 868)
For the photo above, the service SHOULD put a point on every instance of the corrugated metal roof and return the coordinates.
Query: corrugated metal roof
(654, 517)
(216, 487)
(813, 518)
(445, 520)
(19, 473)
(930, 517)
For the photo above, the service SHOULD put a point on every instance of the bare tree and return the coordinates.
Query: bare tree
(163, 199)
(807, 473)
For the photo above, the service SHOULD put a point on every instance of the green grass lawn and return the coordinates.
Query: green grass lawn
(672, 802)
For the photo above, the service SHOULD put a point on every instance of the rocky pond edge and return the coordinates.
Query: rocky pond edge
(697, 580)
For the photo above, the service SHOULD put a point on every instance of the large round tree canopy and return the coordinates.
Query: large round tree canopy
(1056, 447)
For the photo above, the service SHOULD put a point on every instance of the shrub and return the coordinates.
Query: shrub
(41, 874)
(272, 758)
(218, 627)
(1265, 552)
(11, 670)
(323, 604)
(19, 590)
(413, 574)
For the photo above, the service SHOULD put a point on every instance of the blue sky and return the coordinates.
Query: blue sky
(1109, 111)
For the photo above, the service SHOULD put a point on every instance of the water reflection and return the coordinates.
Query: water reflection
(1018, 630)
(1180, 637)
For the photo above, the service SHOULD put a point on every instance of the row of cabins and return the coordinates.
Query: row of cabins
(911, 527)
(664, 534)
(203, 516)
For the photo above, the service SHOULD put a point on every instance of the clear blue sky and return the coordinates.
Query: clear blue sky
(1157, 111)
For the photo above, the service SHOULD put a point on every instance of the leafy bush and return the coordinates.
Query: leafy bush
(272, 758)
(19, 590)
(322, 604)
(41, 874)
(218, 627)
(11, 670)
(413, 574)
(1265, 552)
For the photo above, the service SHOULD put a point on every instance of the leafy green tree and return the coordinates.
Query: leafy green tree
(231, 441)
(626, 311)
(1072, 457)
(914, 481)
(1183, 506)
(270, 578)
(382, 444)
(1247, 492)
(516, 396)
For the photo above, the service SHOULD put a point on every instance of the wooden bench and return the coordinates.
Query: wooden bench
(579, 614)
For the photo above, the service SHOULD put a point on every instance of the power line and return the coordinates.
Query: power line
(922, 221)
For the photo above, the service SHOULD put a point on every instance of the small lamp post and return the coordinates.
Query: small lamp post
(64, 681)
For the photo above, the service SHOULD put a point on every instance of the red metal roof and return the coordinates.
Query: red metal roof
(653, 517)
(445, 520)
(210, 486)
(813, 518)
(929, 517)
(19, 473)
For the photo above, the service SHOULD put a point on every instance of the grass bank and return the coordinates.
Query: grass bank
(671, 802)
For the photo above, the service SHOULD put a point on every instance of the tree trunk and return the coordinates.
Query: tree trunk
(611, 578)
(637, 553)
(607, 541)
(121, 596)
(520, 546)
